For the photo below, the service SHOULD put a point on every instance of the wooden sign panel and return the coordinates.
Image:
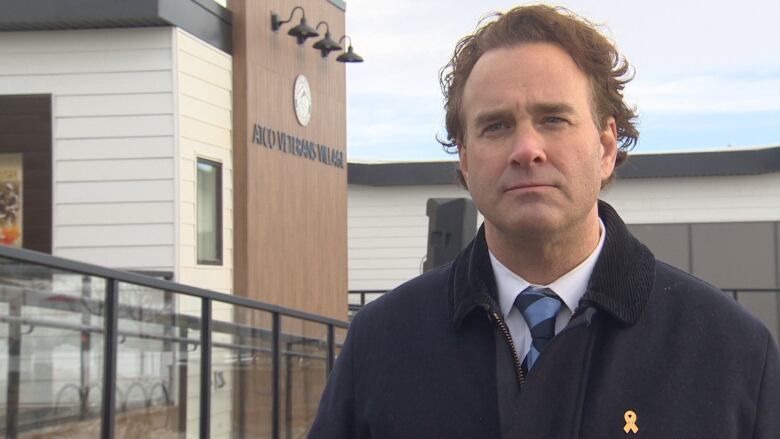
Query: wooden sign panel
(290, 182)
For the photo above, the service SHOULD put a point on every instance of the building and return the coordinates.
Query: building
(192, 140)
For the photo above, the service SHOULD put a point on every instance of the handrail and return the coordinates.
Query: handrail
(751, 290)
(160, 317)
(59, 263)
(355, 307)
(734, 292)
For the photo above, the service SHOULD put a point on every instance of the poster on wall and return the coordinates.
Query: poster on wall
(11, 180)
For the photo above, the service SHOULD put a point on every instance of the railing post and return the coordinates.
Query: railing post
(205, 368)
(288, 391)
(183, 361)
(275, 381)
(241, 375)
(14, 364)
(331, 348)
(110, 323)
(86, 342)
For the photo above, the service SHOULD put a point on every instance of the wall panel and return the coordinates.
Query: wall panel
(740, 255)
(132, 191)
(205, 127)
(115, 235)
(697, 200)
(123, 169)
(668, 242)
(133, 257)
(79, 61)
(111, 105)
(114, 148)
(119, 83)
(160, 212)
(290, 211)
(736, 255)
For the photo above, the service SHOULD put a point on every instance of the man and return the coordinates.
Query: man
(555, 322)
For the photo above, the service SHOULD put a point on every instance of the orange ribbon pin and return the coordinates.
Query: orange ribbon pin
(630, 418)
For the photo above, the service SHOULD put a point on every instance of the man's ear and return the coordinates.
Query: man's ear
(464, 163)
(608, 139)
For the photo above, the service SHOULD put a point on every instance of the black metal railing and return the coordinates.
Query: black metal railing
(736, 292)
(359, 298)
(92, 350)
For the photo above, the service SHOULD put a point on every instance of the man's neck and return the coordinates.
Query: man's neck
(542, 258)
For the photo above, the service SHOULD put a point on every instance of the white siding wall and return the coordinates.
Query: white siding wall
(388, 226)
(387, 232)
(205, 121)
(204, 86)
(113, 145)
(697, 200)
(132, 110)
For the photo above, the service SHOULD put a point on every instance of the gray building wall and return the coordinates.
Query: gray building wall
(741, 255)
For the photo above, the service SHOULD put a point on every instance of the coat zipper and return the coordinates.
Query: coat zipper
(508, 337)
(515, 357)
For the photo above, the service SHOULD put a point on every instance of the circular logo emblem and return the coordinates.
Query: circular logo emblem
(302, 100)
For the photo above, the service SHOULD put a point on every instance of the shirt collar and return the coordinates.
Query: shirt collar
(570, 287)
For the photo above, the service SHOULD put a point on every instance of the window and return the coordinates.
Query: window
(209, 206)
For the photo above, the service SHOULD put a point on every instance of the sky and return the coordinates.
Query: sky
(707, 73)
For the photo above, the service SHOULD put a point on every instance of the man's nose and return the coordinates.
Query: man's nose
(528, 147)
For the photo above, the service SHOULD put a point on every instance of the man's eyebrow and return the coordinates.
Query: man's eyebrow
(490, 116)
(553, 107)
(538, 108)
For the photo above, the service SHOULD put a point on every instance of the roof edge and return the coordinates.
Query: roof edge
(662, 165)
(205, 19)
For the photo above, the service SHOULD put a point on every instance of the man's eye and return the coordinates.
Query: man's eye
(553, 120)
(495, 126)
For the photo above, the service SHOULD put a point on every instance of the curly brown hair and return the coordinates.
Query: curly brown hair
(598, 58)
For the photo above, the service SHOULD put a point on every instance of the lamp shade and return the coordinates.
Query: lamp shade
(302, 31)
(326, 45)
(349, 56)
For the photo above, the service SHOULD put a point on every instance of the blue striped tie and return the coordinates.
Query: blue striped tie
(539, 307)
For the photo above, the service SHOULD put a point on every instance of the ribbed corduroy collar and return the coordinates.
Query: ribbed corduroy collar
(621, 283)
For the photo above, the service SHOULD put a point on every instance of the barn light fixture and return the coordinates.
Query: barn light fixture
(326, 45)
(301, 32)
(350, 55)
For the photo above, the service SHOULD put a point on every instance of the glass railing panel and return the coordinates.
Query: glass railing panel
(51, 352)
(304, 354)
(52, 361)
(241, 372)
(158, 365)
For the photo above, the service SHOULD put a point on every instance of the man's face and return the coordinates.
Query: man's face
(532, 155)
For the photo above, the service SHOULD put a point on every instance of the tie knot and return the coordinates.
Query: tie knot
(537, 304)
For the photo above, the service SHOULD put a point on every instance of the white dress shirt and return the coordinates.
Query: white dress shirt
(570, 288)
